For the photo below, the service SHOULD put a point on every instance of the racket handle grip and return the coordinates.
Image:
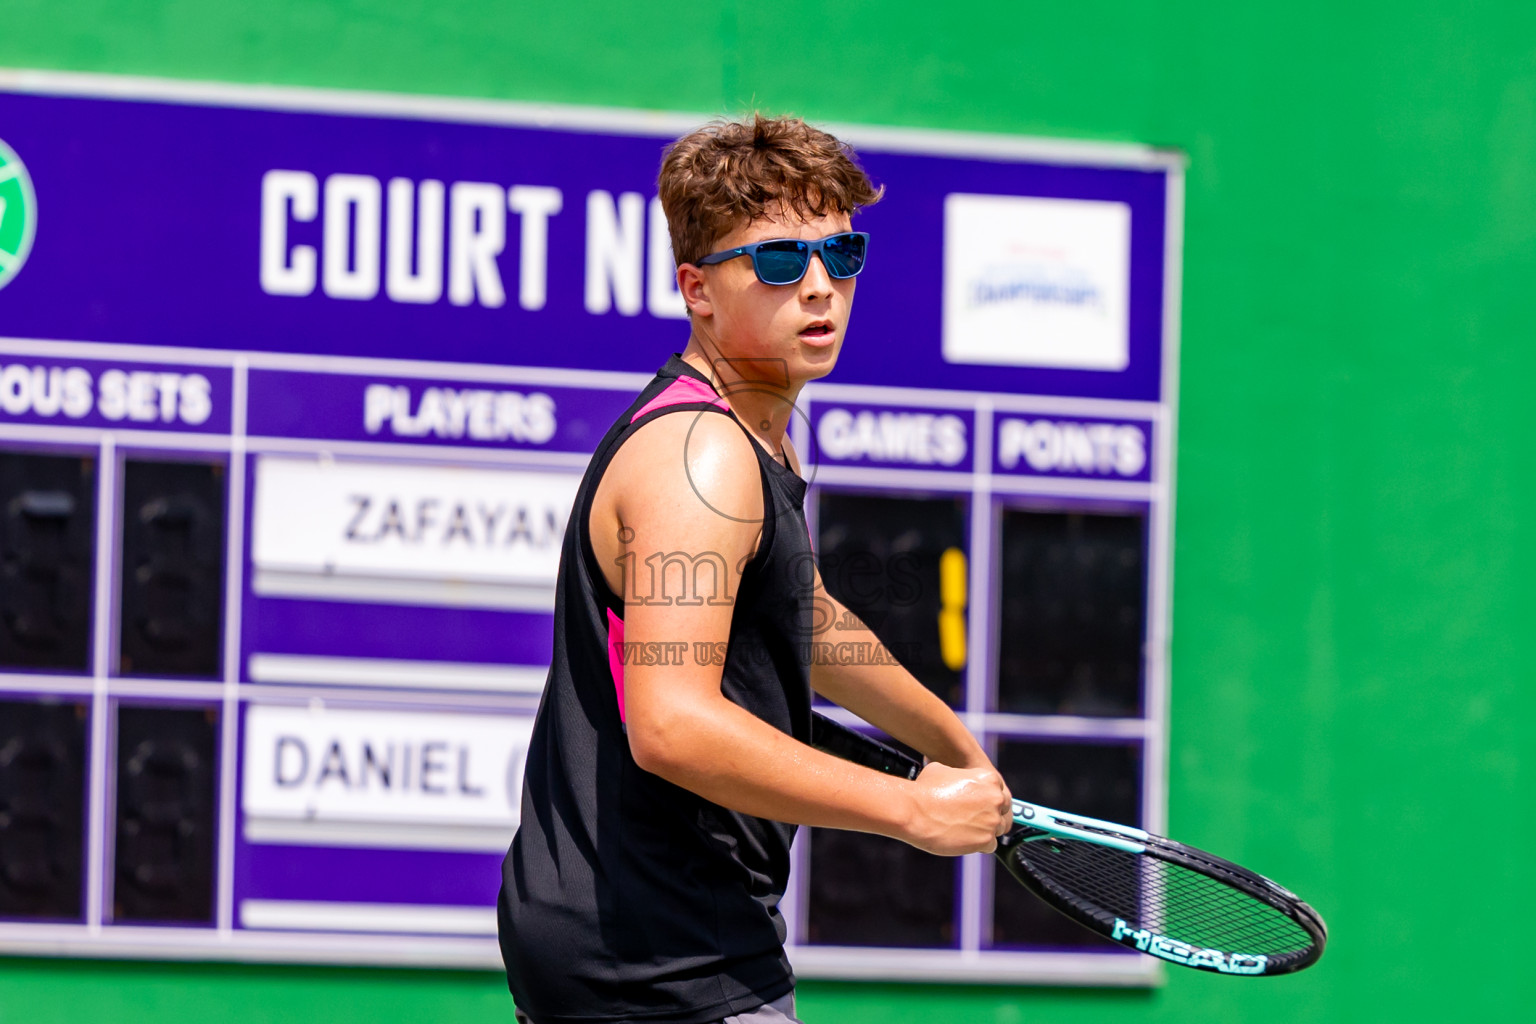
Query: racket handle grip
(840, 741)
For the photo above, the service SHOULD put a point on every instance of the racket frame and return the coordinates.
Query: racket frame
(1077, 826)
(1037, 822)
(1148, 940)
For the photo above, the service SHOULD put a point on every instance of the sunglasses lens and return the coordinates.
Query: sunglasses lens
(781, 262)
(844, 254)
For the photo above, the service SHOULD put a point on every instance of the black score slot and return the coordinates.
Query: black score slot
(1073, 613)
(868, 890)
(164, 847)
(1100, 780)
(47, 530)
(42, 809)
(172, 568)
(900, 565)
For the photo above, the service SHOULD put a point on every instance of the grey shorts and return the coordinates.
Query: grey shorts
(780, 1011)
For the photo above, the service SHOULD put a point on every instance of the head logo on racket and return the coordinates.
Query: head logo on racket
(1178, 952)
(18, 214)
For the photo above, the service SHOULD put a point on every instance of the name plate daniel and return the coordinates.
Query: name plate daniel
(340, 777)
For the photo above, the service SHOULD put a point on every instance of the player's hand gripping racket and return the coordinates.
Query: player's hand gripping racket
(1143, 891)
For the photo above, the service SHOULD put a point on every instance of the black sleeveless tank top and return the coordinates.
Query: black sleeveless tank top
(625, 897)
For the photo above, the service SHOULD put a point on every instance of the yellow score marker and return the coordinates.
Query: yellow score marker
(952, 596)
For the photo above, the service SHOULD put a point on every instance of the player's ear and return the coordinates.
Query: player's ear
(694, 290)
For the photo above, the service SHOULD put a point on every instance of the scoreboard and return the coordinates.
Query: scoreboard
(296, 388)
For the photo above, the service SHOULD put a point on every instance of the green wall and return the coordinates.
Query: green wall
(1354, 460)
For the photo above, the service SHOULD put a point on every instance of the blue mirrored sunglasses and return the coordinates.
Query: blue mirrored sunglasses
(785, 260)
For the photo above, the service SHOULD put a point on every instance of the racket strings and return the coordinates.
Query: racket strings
(1164, 898)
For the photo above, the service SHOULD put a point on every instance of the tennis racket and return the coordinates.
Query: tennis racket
(1143, 891)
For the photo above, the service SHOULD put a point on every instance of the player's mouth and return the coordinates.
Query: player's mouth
(818, 332)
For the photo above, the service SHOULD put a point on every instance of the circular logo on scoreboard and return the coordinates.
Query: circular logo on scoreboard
(18, 213)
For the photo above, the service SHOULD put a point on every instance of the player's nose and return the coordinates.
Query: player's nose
(816, 282)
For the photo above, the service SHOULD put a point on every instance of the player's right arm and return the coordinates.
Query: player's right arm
(691, 485)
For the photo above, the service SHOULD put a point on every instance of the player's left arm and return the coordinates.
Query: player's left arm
(885, 695)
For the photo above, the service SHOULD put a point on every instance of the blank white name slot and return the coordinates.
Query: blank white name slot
(391, 672)
(325, 916)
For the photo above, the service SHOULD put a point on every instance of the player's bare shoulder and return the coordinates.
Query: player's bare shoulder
(683, 481)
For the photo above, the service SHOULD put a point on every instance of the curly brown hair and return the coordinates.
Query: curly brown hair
(729, 172)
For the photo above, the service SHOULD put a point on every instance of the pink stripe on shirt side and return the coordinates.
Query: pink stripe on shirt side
(615, 659)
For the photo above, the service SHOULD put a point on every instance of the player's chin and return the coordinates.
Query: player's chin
(818, 353)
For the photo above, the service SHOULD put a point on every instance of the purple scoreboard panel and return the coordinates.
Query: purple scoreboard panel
(295, 392)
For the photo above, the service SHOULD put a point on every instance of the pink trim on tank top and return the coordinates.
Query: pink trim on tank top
(683, 391)
(615, 660)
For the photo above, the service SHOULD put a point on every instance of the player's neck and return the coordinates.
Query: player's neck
(760, 397)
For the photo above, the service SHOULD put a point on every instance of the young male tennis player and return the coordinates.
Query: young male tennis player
(669, 763)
